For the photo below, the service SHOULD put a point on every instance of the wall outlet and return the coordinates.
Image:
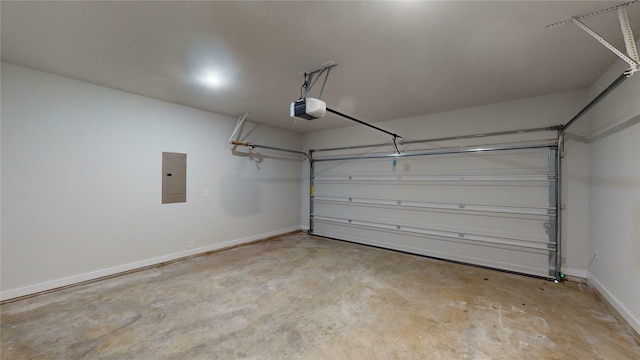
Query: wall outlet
(205, 193)
(191, 244)
(295, 216)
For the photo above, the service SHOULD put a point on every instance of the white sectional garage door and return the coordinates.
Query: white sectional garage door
(491, 207)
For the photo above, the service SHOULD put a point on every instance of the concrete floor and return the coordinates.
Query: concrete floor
(301, 297)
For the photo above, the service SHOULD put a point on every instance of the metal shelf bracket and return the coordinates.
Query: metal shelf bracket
(631, 57)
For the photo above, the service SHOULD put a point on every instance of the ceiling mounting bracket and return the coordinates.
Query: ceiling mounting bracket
(631, 57)
(310, 79)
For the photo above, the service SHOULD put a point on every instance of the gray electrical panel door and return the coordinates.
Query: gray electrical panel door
(174, 177)
(495, 209)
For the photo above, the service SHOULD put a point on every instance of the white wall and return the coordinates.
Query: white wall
(575, 194)
(514, 115)
(527, 113)
(81, 182)
(614, 201)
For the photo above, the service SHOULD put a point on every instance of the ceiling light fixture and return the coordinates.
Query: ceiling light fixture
(212, 80)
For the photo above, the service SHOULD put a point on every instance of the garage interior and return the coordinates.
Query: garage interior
(159, 201)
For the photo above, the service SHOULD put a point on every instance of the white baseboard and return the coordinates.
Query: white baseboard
(620, 308)
(53, 284)
(576, 272)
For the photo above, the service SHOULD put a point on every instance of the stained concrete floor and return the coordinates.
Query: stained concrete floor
(302, 297)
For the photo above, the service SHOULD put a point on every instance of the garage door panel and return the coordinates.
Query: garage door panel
(523, 260)
(531, 227)
(498, 194)
(517, 161)
(492, 209)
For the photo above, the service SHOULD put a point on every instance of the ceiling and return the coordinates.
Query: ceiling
(395, 59)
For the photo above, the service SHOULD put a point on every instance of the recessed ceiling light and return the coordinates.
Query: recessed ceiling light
(212, 80)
